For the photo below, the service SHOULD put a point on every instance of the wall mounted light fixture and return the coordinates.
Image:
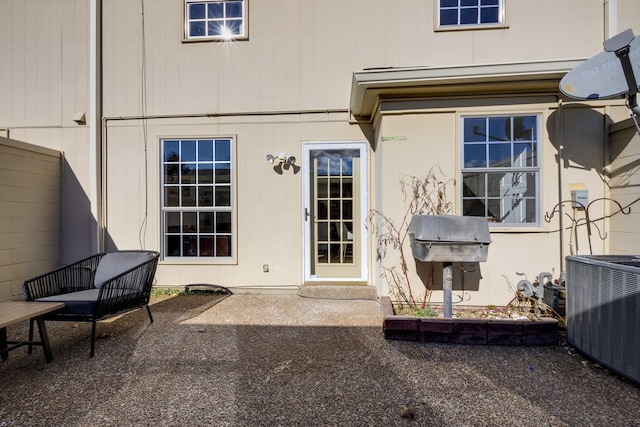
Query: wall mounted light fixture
(281, 158)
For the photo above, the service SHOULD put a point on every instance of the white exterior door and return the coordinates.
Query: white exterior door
(335, 211)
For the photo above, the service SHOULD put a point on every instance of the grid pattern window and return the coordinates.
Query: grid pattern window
(501, 169)
(197, 202)
(215, 20)
(455, 13)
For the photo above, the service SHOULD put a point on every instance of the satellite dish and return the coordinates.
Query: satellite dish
(603, 76)
(610, 74)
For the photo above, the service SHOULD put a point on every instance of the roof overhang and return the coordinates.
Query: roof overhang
(370, 87)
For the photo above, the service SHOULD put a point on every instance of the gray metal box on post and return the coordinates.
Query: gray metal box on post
(447, 239)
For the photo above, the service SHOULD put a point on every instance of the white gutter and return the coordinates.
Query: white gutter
(95, 121)
(611, 18)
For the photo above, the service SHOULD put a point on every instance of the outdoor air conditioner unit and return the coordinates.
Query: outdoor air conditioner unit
(603, 310)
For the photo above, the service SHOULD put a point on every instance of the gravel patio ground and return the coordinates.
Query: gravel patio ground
(284, 360)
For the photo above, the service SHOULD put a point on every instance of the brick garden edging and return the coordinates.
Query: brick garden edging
(543, 331)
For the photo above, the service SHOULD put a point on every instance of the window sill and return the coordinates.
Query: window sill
(506, 229)
(448, 28)
(214, 39)
(198, 261)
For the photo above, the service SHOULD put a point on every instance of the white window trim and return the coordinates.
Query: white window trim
(219, 39)
(498, 226)
(502, 24)
(233, 208)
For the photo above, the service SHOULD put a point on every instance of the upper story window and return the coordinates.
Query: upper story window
(457, 13)
(215, 20)
(501, 168)
(197, 198)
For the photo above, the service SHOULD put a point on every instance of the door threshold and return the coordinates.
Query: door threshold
(335, 290)
(336, 282)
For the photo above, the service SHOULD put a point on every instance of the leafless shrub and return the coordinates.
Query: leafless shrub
(426, 196)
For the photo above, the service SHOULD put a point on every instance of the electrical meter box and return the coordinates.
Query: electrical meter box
(579, 198)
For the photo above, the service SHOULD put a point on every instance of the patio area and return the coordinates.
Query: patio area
(271, 360)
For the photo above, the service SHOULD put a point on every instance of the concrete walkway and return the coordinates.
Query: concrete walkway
(279, 360)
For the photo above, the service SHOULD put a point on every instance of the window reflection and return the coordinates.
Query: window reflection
(469, 12)
(196, 176)
(500, 168)
(216, 19)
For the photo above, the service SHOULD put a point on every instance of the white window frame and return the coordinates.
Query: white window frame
(444, 27)
(199, 208)
(209, 22)
(535, 169)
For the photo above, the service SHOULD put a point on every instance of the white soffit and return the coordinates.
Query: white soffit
(369, 86)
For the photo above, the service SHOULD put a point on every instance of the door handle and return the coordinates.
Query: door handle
(307, 214)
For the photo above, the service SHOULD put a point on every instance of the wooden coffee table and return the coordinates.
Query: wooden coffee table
(12, 312)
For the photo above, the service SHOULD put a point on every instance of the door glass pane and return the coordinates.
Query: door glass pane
(347, 166)
(347, 209)
(322, 188)
(322, 212)
(334, 187)
(334, 212)
(334, 253)
(334, 205)
(334, 165)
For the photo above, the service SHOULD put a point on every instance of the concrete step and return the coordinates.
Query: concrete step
(337, 291)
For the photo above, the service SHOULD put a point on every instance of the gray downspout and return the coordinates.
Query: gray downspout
(559, 135)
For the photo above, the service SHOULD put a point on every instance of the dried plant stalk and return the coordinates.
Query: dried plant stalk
(426, 196)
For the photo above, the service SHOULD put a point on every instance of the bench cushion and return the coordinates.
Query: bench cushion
(81, 302)
(115, 263)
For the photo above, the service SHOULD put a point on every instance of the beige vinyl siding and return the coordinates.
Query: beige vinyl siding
(624, 150)
(300, 55)
(410, 143)
(44, 79)
(30, 195)
(583, 136)
(267, 208)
